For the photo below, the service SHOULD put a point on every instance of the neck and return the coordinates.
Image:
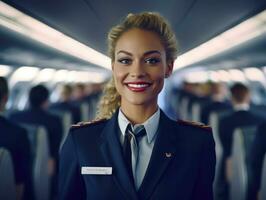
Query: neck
(138, 114)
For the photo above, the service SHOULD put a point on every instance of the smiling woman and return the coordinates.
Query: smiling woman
(145, 41)
(134, 151)
(139, 69)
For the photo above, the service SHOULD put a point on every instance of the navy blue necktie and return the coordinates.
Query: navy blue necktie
(131, 140)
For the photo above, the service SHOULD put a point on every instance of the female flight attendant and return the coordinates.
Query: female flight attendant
(137, 152)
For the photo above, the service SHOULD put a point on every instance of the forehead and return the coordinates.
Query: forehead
(139, 41)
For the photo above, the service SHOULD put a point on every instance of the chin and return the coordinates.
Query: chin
(141, 101)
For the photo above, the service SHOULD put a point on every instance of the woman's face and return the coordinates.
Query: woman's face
(139, 67)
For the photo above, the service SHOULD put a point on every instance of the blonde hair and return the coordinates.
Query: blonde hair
(109, 101)
(149, 21)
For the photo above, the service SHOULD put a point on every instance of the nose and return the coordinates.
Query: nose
(137, 70)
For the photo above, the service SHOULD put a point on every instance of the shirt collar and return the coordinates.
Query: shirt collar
(240, 107)
(151, 124)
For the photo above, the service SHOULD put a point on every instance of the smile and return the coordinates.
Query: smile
(138, 87)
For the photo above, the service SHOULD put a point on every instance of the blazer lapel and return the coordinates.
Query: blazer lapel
(112, 153)
(163, 152)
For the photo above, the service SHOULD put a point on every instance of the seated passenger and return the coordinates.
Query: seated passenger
(66, 105)
(38, 115)
(258, 152)
(15, 140)
(241, 116)
(218, 102)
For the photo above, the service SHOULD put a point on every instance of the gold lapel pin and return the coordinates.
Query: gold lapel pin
(168, 155)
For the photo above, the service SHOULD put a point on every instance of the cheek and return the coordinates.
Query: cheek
(159, 76)
(160, 80)
(118, 80)
(119, 74)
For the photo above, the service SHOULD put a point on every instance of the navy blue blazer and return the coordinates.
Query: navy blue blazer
(15, 140)
(181, 167)
(67, 106)
(213, 106)
(233, 120)
(258, 153)
(51, 123)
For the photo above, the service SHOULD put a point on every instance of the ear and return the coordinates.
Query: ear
(169, 68)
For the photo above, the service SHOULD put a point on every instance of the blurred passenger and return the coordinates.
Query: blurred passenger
(258, 154)
(187, 88)
(92, 95)
(200, 95)
(93, 90)
(15, 140)
(183, 94)
(241, 116)
(65, 104)
(37, 114)
(78, 92)
(65, 93)
(89, 89)
(218, 102)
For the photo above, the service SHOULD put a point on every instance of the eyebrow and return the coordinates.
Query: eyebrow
(145, 54)
(152, 52)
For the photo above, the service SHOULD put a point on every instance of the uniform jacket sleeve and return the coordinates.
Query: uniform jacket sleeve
(71, 184)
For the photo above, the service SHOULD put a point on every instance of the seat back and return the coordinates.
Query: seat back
(263, 180)
(66, 119)
(84, 110)
(242, 140)
(93, 107)
(196, 111)
(184, 108)
(40, 155)
(214, 123)
(214, 120)
(7, 179)
(41, 171)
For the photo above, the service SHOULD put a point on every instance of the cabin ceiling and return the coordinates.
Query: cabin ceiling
(88, 21)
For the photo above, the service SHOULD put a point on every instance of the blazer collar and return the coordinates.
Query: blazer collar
(112, 153)
(163, 152)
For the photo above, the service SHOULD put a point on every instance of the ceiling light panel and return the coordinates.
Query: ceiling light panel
(36, 30)
(241, 33)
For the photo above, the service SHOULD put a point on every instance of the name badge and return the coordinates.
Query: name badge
(96, 170)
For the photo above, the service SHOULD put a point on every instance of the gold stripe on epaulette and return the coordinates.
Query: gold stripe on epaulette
(80, 124)
(196, 124)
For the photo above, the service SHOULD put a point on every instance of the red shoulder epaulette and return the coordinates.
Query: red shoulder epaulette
(196, 124)
(84, 124)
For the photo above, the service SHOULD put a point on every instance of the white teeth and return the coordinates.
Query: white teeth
(138, 85)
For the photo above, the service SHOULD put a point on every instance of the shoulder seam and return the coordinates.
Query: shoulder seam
(195, 124)
(86, 124)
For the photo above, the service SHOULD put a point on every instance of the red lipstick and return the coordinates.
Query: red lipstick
(138, 86)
